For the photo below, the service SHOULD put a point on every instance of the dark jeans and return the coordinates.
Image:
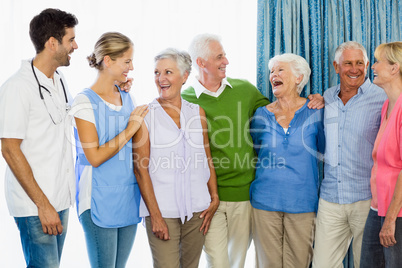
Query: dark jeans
(372, 255)
(393, 255)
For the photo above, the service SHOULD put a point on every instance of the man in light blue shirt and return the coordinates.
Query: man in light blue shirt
(351, 122)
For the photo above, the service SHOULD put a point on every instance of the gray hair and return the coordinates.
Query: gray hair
(182, 59)
(298, 65)
(199, 47)
(350, 45)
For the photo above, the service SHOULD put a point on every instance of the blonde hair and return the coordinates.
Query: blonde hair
(392, 52)
(112, 44)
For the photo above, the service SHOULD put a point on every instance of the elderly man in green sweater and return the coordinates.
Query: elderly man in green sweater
(229, 104)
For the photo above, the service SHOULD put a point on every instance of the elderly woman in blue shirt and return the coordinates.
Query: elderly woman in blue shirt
(289, 141)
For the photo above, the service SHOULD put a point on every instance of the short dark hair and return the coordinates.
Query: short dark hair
(50, 23)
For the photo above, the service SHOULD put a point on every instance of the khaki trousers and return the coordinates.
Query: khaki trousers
(283, 239)
(184, 247)
(337, 224)
(229, 235)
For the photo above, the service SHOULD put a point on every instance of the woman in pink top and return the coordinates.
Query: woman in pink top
(388, 178)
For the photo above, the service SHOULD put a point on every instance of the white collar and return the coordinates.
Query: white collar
(199, 88)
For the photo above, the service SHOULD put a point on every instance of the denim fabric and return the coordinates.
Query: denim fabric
(40, 249)
(393, 255)
(107, 247)
(372, 255)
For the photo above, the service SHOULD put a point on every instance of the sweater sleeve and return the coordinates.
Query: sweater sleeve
(260, 100)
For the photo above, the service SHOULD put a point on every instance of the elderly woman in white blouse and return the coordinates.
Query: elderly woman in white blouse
(173, 166)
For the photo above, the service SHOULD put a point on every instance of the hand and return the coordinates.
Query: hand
(160, 228)
(316, 101)
(125, 86)
(137, 117)
(208, 214)
(387, 234)
(50, 220)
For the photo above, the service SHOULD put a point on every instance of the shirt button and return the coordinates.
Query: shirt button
(339, 181)
(339, 164)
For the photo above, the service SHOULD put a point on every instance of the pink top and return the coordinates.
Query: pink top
(389, 157)
(373, 183)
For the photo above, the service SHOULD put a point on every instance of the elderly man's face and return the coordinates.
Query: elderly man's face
(351, 69)
(215, 66)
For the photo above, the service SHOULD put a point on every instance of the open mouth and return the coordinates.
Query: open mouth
(277, 83)
(164, 87)
(353, 77)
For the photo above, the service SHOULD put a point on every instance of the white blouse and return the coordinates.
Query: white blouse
(178, 165)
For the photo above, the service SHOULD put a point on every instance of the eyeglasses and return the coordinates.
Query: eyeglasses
(55, 112)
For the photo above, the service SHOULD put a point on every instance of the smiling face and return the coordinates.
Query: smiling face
(121, 66)
(382, 70)
(351, 69)
(214, 68)
(282, 79)
(67, 46)
(168, 79)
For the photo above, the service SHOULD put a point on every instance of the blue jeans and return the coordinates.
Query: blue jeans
(372, 255)
(393, 255)
(40, 249)
(107, 247)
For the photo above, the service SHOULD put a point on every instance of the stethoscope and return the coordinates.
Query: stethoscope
(48, 91)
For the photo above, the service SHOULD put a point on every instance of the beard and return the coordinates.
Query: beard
(63, 58)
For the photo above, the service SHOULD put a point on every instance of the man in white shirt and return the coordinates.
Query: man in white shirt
(40, 181)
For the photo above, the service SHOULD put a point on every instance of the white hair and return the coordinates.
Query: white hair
(199, 47)
(298, 65)
(350, 45)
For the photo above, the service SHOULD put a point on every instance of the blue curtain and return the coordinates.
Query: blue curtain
(314, 28)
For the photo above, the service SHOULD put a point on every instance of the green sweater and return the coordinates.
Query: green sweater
(228, 129)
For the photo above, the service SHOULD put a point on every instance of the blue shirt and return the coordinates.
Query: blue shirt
(287, 172)
(350, 132)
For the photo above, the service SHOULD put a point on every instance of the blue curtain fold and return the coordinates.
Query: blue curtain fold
(314, 28)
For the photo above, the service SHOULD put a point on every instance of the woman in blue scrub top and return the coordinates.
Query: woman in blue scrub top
(108, 195)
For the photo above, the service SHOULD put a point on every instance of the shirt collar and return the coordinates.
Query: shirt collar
(362, 89)
(43, 79)
(199, 88)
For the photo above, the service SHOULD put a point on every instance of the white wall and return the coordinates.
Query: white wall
(152, 25)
